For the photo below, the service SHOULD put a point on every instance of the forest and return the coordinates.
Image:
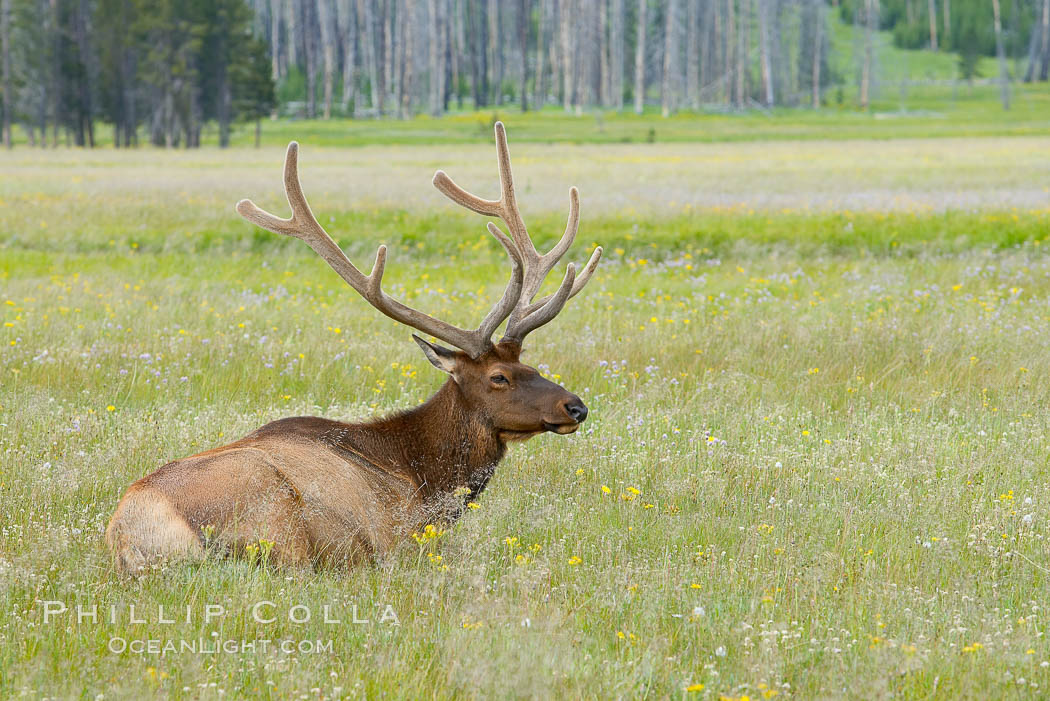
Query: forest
(158, 71)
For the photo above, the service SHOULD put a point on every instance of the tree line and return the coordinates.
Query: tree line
(402, 57)
(399, 57)
(153, 69)
(162, 69)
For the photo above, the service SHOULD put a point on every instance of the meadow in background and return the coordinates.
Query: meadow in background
(816, 463)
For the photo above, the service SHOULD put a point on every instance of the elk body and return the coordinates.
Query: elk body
(327, 492)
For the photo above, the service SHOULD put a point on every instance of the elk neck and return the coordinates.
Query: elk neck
(443, 444)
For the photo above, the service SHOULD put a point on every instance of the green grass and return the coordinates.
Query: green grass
(917, 112)
(813, 195)
(922, 111)
(837, 414)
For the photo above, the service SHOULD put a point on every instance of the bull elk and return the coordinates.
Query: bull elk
(331, 493)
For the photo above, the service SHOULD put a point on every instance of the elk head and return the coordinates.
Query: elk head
(511, 397)
(515, 399)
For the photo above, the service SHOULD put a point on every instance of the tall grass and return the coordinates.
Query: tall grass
(815, 467)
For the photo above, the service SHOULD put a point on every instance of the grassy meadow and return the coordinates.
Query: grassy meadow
(919, 111)
(903, 107)
(816, 464)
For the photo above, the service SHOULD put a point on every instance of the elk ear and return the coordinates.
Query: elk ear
(440, 357)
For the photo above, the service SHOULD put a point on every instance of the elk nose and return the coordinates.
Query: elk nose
(577, 410)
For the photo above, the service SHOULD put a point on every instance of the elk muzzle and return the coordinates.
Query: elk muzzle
(574, 410)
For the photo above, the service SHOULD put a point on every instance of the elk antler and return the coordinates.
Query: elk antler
(303, 225)
(527, 315)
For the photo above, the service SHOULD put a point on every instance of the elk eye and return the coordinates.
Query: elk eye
(499, 380)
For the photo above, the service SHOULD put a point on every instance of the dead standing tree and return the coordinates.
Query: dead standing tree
(639, 59)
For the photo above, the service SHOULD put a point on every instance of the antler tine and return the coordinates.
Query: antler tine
(292, 190)
(463, 198)
(511, 295)
(526, 315)
(505, 207)
(572, 225)
(511, 214)
(303, 225)
(551, 307)
(536, 274)
(582, 278)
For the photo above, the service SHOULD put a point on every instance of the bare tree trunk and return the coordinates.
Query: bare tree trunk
(326, 19)
(396, 52)
(56, 73)
(225, 113)
(291, 28)
(225, 107)
(692, 54)
(592, 52)
(275, 39)
(707, 39)
(568, 61)
(524, 22)
(933, 24)
(604, 76)
(639, 60)
(539, 96)
(441, 20)
(786, 73)
(396, 55)
(731, 49)
(5, 37)
(865, 77)
(366, 28)
(1013, 30)
(450, 69)
(455, 51)
(946, 39)
(347, 26)
(189, 126)
(1035, 45)
(476, 72)
(305, 21)
(86, 118)
(389, 52)
(743, 52)
(667, 97)
(41, 77)
(583, 42)
(408, 65)
(1045, 63)
(616, 55)
(479, 52)
(47, 78)
(720, 50)
(818, 34)
(1004, 74)
(434, 32)
(763, 43)
(169, 119)
(600, 60)
(496, 50)
(554, 49)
